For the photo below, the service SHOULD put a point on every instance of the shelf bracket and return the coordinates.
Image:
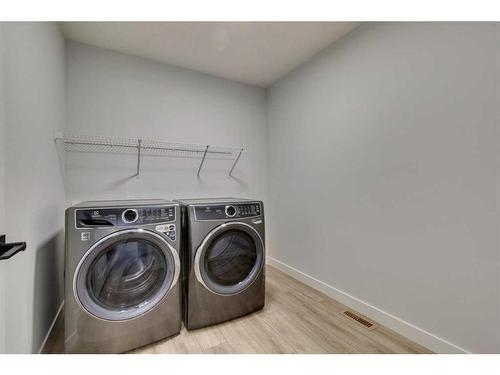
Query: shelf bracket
(203, 160)
(235, 162)
(139, 141)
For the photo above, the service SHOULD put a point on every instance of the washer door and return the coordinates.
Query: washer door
(126, 274)
(229, 259)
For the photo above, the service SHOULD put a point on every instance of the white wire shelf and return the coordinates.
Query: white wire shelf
(142, 147)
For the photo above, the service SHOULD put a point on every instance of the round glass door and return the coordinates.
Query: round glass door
(126, 274)
(230, 258)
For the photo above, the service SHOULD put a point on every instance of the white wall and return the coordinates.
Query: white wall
(2, 198)
(34, 95)
(113, 94)
(382, 174)
(497, 187)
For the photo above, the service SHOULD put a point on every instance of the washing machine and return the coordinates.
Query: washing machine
(223, 259)
(122, 270)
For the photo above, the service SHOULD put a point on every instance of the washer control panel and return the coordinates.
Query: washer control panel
(123, 217)
(227, 211)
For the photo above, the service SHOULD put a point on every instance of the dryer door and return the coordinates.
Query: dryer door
(230, 258)
(125, 274)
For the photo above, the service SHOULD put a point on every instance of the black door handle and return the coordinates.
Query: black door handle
(8, 250)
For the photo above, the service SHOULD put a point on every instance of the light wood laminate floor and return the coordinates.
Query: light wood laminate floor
(296, 319)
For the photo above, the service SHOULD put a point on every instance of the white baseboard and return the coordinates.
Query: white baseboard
(414, 333)
(51, 327)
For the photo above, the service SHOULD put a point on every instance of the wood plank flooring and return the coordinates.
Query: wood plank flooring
(296, 319)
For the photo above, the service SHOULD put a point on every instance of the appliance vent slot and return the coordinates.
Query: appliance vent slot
(361, 320)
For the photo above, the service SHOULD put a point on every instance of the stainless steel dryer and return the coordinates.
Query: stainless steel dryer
(121, 275)
(224, 256)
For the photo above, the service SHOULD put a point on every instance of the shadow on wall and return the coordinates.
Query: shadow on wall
(48, 282)
(95, 176)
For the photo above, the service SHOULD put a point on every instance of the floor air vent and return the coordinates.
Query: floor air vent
(361, 320)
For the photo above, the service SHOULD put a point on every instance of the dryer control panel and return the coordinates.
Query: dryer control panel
(118, 217)
(227, 211)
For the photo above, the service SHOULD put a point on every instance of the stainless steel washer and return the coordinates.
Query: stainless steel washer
(224, 257)
(122, 286)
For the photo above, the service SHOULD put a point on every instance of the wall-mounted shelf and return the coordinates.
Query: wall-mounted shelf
(142, 147)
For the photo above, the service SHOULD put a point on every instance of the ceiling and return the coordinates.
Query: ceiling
(256, 53)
